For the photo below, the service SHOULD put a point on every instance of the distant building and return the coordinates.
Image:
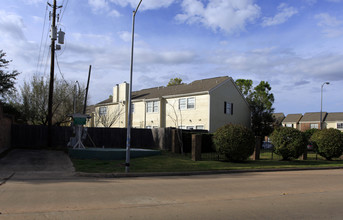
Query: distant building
(292, 120)
(278, 117)
(311, 120)
(334, 120)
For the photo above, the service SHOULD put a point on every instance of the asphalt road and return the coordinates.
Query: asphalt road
(269, 195)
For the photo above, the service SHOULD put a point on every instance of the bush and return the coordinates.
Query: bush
(289, 142)
(308, 133)
(328, 143)
(236, 142)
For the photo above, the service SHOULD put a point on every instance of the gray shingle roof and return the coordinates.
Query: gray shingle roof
(278, 117)
(312, 117)
(202, 85)
(335, 116)
(193, 87)
(292, 118)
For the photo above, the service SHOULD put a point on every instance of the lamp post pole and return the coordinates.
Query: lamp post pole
(321, 104)
(129, 116)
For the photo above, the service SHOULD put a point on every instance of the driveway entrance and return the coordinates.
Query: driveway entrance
(35, 162)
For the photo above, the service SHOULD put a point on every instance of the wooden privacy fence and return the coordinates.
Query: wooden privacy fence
(35, 136)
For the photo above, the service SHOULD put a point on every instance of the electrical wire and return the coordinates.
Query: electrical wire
(46, 63)
(41, 41)
(62, 11)
(58, 65)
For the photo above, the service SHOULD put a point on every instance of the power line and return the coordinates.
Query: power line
(41, 41)
(58, 65)
(62, 11)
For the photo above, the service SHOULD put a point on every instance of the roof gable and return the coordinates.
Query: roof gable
(335, 116)
(292, 118)
(203, 85)
(312, 117)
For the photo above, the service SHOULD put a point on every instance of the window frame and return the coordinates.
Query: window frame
(185, 103)
(314, 125)
(228, 108)
(152, 106)
(339, 125)
(102, 110)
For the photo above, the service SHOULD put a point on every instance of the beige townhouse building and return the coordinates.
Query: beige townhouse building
(203, 104)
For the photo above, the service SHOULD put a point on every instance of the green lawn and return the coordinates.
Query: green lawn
(169, 162)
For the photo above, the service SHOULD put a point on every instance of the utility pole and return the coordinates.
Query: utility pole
(52, 68)
(129, 116)
(89, 76)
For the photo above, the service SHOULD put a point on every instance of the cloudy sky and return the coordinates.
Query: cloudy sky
(295, 45)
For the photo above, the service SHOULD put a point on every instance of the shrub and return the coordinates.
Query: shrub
(236, 142)
(308, 133)
(289, 142)
(328, 143)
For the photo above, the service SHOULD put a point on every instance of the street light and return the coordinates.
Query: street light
(321, 104)
(129, 116)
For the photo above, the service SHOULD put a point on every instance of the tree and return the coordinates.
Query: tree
(261, 102)
(7, 79)
(245, 86)
(34, 101)
(176, 117)
(108, 118)
(175, 81)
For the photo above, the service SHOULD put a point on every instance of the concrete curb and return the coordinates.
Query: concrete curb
(193, 173)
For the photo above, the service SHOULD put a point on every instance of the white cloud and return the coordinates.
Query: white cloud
(326, 20)
(125, 36)
(284, 13)
(11, 25)
(228, 16)
(146, 4)
(33, 2)
(98, 5)
(331, 27)
(114, 13)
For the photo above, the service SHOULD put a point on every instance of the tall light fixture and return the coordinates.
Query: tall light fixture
(321, 104)
(129, 115)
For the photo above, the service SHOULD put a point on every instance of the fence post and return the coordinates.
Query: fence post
(175, 142)
(196, 147)
(257, 151)
(304, 156)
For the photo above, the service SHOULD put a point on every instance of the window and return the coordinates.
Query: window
(314, 126)
(182, 127)
(187, 103)
(102, 110)
(340, 125)
(190, 127)
(190, 103)
(289, 125)
(152, 106)
(182, 104)
(200, 127)
(228, 108)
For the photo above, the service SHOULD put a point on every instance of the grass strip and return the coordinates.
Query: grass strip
(169, 162)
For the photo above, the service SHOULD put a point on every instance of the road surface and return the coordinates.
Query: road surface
(269, 195)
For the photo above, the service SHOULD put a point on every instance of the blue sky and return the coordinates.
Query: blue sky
(295, 45)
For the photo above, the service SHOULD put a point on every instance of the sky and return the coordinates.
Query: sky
(295, 45)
